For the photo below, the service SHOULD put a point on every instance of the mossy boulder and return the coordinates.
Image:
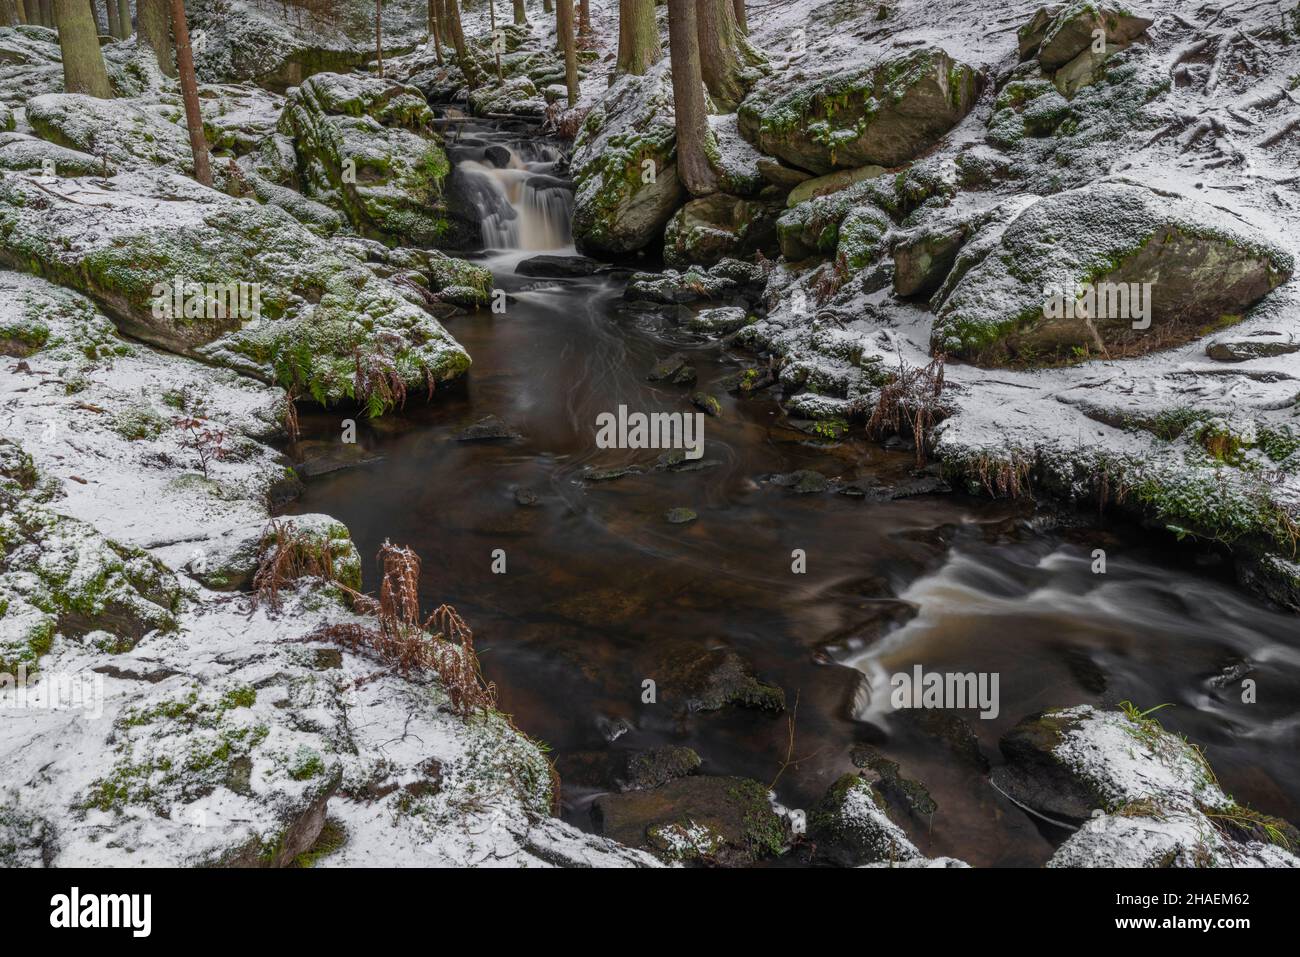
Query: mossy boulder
(851, 825)
(710, 820)
(720, 226)
(884, 113)
(831, 183)
(124, 133)
(1071, 31)
(1203, 270)
(327, 327)
(229, 562)
(367, 146)
(18, 151)
(625, 167)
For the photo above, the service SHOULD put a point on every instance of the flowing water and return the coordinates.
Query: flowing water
(601, 593)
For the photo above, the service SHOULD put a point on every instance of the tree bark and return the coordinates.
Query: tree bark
(46, 12)
(742, 18)
(124, 17)
(457, 30)
(688, 100)
(496, 40)
(638, 37)
(568, 41)
(83, 63)
(584, 18)
(31, 11)
(720, 52)
(153, 25)
(190, 93)
(521, 13)
(547, 6)
(110, 9)
(435, 30)
(379, 35)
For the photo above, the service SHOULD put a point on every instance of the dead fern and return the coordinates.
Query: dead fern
(912, 401)
(285, 554)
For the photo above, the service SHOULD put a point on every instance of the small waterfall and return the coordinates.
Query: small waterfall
(522, 206)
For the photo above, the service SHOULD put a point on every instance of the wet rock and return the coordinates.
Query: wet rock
(487, 429)
(559, 266)
(610, 474)
(315, 457)
(680, 516)
(497, 155)
(526, 498)
(884, 113)
(906, 792)
(951, 729)
(710, 680)
(802, 482)
(723, 821)
(1002, 302)
(675, 460)
(658, 766)
(706, 403)
(852, 826)
(719, 226)
(675, 369)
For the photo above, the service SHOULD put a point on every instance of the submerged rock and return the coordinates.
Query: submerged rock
(712, 820)
(883, 113)
(487, 429)
(676, 369)
(710, 680)
(658, 766)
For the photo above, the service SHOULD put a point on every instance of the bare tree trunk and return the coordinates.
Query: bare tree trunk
(8, 15)
(521, 13)
(110, 8)
(720, 52)
(83, 63)
(153, 25)
(564, 29)
(379, 35)
(742, 18)
(547, 6)
(124, 17)
(688, 100)
(584, 18)
(435, 30)
(638, 37)
(467, 65)
(190, 93)
(496, 39)
(47, 13)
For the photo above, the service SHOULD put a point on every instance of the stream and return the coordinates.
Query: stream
(601, 593)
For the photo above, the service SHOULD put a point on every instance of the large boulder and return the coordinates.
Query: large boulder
(720, 226)
(1144, 797)
(125, 133)
(884, 113)
(367, 146)
(1011, 296)
(1071, 30)
(326, 326)
(625, 167)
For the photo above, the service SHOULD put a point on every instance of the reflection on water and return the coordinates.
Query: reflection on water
(602, 593)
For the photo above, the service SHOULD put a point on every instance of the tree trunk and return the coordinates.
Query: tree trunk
(521, 13)
(124, 17)
(564, 29)
(83, 63)
(547, 6)
(638, 37)
(496, 38)
(688, 99)
(153, 25)
(467, 66)
(584, 17)
(31, 10)
(720, 52)
(742, 18)
(379, 35)
(110, 9)
(46, 13)
(190, 93)
(435, 30)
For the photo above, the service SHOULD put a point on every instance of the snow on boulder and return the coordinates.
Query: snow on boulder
(720, 226)
(310, 318)
(1144, 797)
(367, 147)
(625, 166)
(1073, 29)
(885, 113)
(1112, 269)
